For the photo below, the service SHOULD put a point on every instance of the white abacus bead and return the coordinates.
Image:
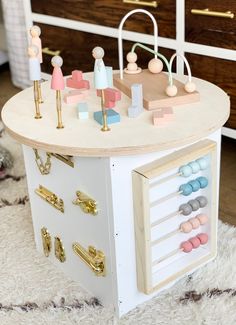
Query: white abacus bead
(190, 87)
(131, 57)
(155, 65)
(132, 66)
(171, 91)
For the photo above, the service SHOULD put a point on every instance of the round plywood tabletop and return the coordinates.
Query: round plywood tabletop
(132, 136)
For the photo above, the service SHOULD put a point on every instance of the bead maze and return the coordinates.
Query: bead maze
(159, 230)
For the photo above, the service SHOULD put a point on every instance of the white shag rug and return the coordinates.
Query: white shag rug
(34, 292)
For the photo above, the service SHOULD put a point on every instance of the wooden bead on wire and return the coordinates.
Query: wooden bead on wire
(155, 65)
(171, 91)
(190, 87)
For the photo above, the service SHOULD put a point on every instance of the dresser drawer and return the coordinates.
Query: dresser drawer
(219, 72)
(79, 56)
(211, 30)
(109, 13)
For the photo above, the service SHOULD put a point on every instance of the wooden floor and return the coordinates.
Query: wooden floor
(228, 157)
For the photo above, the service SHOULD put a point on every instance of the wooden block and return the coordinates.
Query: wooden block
(77, 84)
(137, 95)
(82, 111)
(77, 75)
(109, 104)
(134, 111)
(112, 117)
(154, 86)
(159, 118)
(112, 94)
(73, 97)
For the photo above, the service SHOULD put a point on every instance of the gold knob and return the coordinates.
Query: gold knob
(211, 13)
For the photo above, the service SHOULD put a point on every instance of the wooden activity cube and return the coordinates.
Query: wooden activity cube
(94, 200)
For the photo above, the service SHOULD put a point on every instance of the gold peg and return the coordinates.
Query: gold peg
(104, 113)
(36, 100)
(59, 115)
(40, 93)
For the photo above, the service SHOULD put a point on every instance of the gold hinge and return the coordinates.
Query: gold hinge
(46, 239)
(59, 250)
(87, 204)
(64, 158)
(95, 259)
(50, 197)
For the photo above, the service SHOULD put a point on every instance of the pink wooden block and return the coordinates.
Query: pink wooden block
(109, 104)
(112, 94)
(74, 97)
(77, 84)
(159, 118)
(77, 75)
(57, 81)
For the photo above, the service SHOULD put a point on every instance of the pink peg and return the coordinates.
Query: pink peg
(57, 82)
(203, 238)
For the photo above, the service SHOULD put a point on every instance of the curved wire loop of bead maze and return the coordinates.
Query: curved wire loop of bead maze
(155, 51)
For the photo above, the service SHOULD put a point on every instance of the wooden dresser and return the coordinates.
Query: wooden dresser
(72, 28)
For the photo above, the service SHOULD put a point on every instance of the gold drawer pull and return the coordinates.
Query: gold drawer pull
(50, 197)
(47, 51)
(207, 12)
(86, 203)
(95, 259)
(153, 4)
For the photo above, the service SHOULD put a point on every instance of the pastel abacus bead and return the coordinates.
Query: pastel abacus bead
(202, 181)
(155, 65)
(202, 163)
(194, 166)
(195, 241)
(203, 238)
(194, 222)
(190, 87)
(202, 201)
(185, 209)
(186, 189)
(203, 218)
(194, 204)
(186, 227)
(171, 91)
(185, 171)
(195, 185)
(186, 246)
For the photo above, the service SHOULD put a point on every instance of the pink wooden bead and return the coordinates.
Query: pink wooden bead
(186, 227)
(203, 218)
(186, 246)
(195, 241)
(194, 222)
(203, 238)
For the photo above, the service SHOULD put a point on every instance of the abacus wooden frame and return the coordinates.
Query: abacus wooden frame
(141, 179)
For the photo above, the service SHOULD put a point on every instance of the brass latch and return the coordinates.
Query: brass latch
(59, 250)
(95, 259)
(64, 158)
(87, 204)
(50, 197)
(46, 239)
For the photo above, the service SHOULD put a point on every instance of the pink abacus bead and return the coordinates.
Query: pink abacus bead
(171, 91)
(186, 227)
(194, 222)
(195, 241)
(203, 218)
(203, 238)
(186, 246)
(155, 65)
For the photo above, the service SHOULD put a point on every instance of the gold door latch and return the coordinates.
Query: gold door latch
(45, 168)
(47, 243)
(87, 204)
(95, 259)
(50, 197)
(59, 250)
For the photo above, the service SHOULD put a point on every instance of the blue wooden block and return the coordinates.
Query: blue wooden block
(112, 117)
(109, 76)
(137, 100)
(134, 111)
(82, 111)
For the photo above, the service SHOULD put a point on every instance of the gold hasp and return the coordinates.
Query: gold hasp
(50, 197)
(59, 250)
(46, 240)
(86, 203)
(44, 168)
(95, 259)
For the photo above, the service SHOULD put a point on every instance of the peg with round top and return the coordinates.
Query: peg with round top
(132, 67)
(57, 61)
(155, 65)
(186, 247)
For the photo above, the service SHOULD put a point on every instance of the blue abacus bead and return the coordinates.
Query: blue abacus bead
(202, 163)
(186, 189)
(194, 166)
(202, 181)
(195, 185)
(185, 171)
